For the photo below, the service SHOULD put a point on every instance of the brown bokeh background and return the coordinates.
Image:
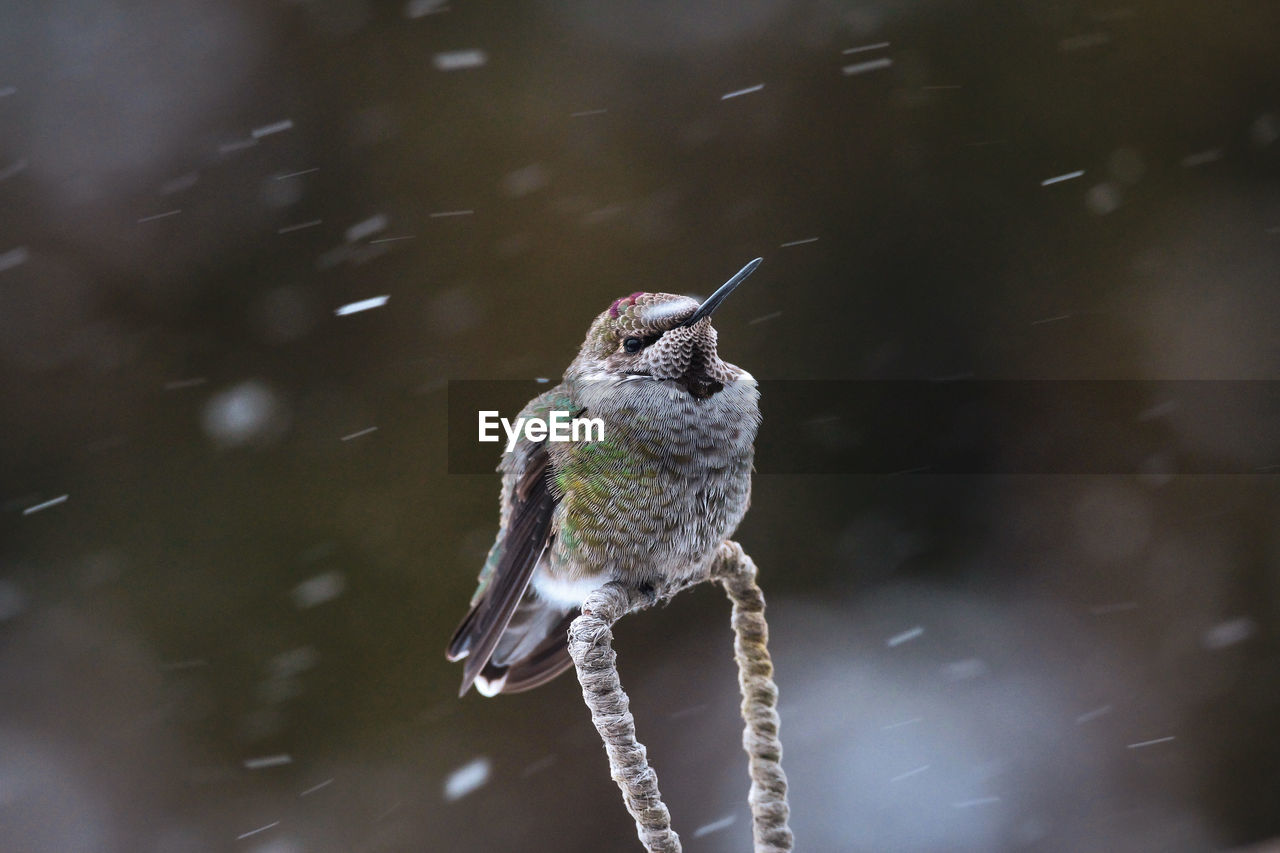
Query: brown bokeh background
(238, 575)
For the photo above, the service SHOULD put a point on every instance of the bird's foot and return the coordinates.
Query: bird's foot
(650, 593)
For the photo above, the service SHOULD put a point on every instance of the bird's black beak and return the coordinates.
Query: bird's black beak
(713, 301)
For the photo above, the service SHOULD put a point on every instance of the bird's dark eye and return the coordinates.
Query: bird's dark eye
(632, 344)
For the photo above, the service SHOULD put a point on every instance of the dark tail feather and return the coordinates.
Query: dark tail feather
(531, 648)
(460, 642)
(543, 663)
(476, 638)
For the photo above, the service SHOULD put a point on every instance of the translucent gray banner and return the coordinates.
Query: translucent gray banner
(967, 427)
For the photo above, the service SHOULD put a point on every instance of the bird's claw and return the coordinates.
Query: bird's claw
(650, 593)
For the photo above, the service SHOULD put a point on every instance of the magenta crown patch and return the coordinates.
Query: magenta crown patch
(625, 302)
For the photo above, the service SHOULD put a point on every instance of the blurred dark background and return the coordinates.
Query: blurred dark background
(229, 634)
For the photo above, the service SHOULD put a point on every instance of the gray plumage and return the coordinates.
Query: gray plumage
(650, 502)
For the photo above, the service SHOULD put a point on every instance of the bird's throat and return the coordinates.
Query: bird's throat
(700, 386)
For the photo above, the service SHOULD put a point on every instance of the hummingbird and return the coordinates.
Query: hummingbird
(644, 505)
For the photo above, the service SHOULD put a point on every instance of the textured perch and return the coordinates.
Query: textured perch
(591, 646)
(769, 810)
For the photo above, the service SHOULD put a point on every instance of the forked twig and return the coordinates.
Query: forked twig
(591, 646)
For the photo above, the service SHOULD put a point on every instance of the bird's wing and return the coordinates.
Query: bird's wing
(530, 504)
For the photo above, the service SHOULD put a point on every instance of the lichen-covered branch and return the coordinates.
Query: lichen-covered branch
(591, 647)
